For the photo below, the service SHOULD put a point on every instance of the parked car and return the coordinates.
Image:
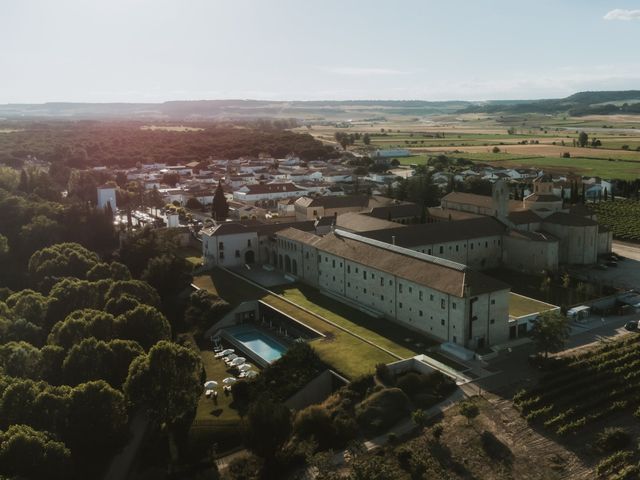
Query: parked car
(632, 326)
(612, 264)
(601, 266)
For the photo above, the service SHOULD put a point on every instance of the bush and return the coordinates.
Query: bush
(384, 374)
(410, 383)
(315, 422)
(361, 385)
(612, 439)
(382, 409)
(566, 155)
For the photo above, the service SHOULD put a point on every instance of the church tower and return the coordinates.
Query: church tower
(500, 199)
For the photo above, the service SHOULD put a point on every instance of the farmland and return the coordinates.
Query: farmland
(530, 140)
(586, 393)
(622, 217)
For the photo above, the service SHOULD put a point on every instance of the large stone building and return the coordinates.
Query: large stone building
(445, 299)
(539, 232)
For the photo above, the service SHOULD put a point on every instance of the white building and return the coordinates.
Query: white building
(440, 298)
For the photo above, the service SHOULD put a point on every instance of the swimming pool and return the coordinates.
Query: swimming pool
(261, 344)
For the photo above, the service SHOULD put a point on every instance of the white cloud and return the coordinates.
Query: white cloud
(620, 14)
(363, 71)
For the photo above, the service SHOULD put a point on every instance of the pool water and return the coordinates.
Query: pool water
(258, 342)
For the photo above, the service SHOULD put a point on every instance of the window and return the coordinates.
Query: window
(429, 251)
(400, 287)
(249, 243)
(493, 320)
(364, 274)
(221, 255)
(420, 312)
(237, 253)
(319, 259)
(471, 246)
(390, 282)
(315, 213)
(382, 297)
(453, 305)
(431, 297)
(349, 284)
(493, 302)
(420, 295)
(400, 305)
(441, 249)
(373, 275)
(334, 278)
(326, 259)
(442, 303)
(356, 269)
(333, 263)
(457, 248)
(348, 268)
(382, 281)
(307, 255)
(454, 339)
(442, 322)
(221, 246)
(410, 289)
(486, 244)
(364, 290)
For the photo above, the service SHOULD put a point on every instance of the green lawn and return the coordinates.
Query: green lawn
(191, 255)
(379, 331)
(520, 305)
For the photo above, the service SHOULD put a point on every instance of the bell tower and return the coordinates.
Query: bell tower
(500, 199)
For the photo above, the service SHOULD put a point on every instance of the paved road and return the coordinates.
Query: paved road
(628, 250)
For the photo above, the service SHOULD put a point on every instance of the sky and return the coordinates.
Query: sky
(159, 50)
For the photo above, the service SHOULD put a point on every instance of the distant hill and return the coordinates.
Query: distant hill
(582, 103)
(232, 109)
(578, 104)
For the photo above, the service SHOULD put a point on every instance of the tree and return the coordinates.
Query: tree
(62, 260)
(583, 139)
(219, 207)
(168, 274)
(145, 325)
(268, 429)
(204, 309)
(469, 410)
(550, 332)
(165, 383)
(28, 453)
(97, 418)
(20, 359)
(366, 139)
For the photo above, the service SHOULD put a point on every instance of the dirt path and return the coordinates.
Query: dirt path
(526, 443)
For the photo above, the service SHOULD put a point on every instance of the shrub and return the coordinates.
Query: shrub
(361, 385)
(612, 439)
(469, 410)
(613, 462)
(315, 422)
(384, 374)
(410, 383)
(382, 409)
(566, 155)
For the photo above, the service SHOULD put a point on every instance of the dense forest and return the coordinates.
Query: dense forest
(86, 329)
(124, 144)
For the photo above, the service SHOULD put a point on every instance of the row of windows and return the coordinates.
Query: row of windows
(221, 254)
(221, 246)
(441, 248)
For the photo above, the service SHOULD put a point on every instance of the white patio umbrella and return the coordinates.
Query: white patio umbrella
(244, 367)
(236, 362)
(231, 358)
(229, 380)
(250, 374)
(210, 384)
(224, 353)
